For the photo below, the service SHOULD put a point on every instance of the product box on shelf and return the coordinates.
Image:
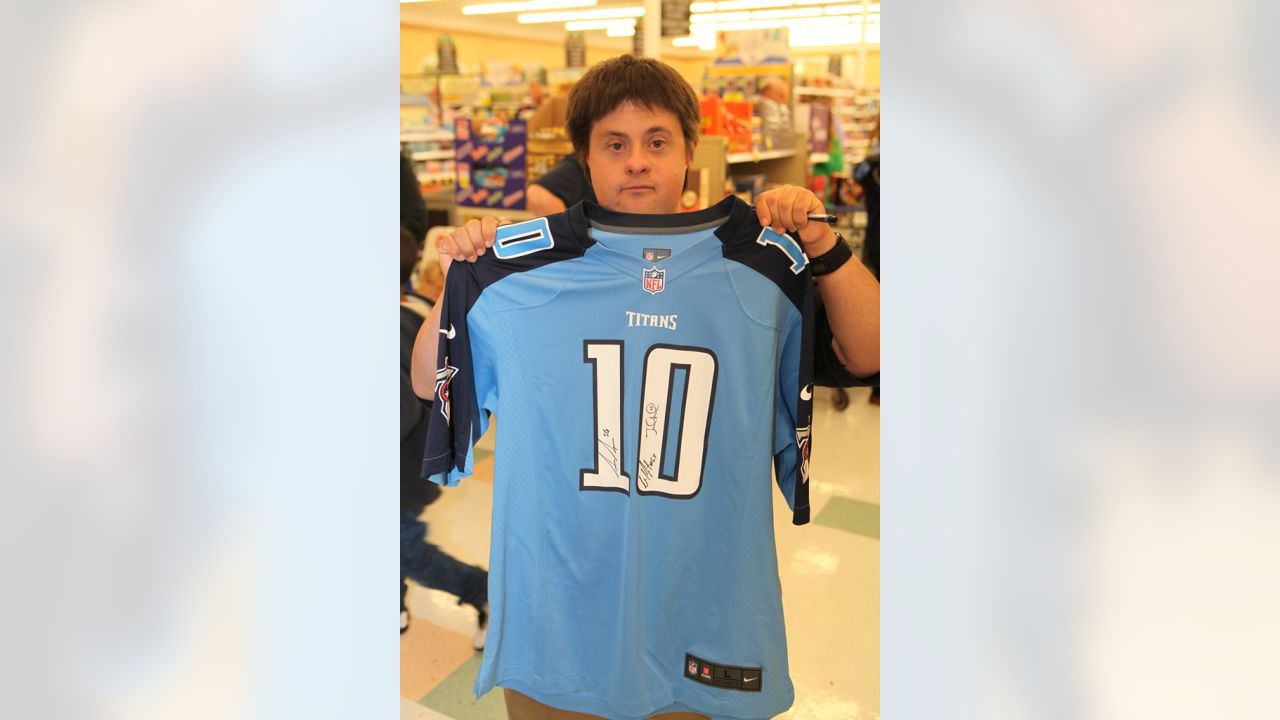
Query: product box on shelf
(819, 128)
(846, 195)
(697, 190)
(748, 187)
(731, 120)
(490, 162)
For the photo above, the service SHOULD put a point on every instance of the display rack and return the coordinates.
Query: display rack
(816, 91)
(427, 144)
(545, 154)
(855, 109)
(782, 167)
(752, 157)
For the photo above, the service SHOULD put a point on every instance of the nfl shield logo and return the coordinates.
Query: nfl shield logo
(653, 280)
(693, 667)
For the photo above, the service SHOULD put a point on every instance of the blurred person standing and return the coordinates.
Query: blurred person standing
(413, 210)
(867, 175)
(421, 561)
(775, 111)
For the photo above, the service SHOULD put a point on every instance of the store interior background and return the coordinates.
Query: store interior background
(500, 36)
(499, 58)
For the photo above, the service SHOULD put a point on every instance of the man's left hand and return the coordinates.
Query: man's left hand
(787, 208)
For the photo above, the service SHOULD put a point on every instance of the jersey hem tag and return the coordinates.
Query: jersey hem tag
(732, 677)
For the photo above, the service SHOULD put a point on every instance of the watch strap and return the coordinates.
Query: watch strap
(831, 260)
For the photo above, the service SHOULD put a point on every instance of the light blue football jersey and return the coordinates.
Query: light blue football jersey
(648, 372)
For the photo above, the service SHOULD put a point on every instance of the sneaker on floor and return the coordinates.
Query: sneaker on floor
(404, 621)
(478, 641)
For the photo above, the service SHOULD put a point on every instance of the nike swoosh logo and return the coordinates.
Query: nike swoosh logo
(448, 333)
(747, 679)
(807, 393)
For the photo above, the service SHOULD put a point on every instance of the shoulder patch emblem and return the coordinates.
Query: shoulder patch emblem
(787, 245)
(520, 239)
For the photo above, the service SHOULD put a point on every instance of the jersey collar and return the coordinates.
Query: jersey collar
(729, 214)
(727, 217)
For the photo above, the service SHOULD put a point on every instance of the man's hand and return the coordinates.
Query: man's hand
(787, 208)
(851, 294)
(443, 258)
(471, 240)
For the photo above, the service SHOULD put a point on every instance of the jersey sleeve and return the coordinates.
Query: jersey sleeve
(793, 418)
(457, 421)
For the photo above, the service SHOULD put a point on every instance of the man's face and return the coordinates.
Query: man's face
(637, 159)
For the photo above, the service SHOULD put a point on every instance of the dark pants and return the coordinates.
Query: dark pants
(429, 566)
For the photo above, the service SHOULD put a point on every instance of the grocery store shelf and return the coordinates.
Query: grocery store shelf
(825, 91)
(747, 157)
(425, 135)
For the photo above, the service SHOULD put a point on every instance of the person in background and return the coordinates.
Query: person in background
(532, 100)
(421, 561)
(413, 210)
(775, 110)
(867, 175)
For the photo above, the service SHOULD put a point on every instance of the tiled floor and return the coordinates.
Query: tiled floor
(830, 571)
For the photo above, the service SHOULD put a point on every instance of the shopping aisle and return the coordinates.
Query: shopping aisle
(830, 572)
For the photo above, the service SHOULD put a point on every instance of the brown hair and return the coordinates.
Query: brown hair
(626, 78)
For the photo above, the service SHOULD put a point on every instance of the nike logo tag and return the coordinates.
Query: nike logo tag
(728, 677)
(450, 333)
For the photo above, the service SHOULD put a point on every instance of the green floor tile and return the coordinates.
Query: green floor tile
(453, 696)
(855, 516)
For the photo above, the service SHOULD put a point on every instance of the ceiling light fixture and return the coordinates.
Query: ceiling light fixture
(510, 7)
(796, 13)
(855, 9)
(606, 14)
(705, 18)
(600, 24)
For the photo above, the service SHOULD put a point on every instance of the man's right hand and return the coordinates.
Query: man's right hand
(471, 240)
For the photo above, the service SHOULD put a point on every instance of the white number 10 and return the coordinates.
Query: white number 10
(660, 364)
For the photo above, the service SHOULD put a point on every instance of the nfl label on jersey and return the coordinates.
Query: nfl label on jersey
(649, 371)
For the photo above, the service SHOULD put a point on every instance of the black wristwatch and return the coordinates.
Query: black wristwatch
(831, 260)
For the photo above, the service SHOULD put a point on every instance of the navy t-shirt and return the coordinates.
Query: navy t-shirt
(567, 181)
